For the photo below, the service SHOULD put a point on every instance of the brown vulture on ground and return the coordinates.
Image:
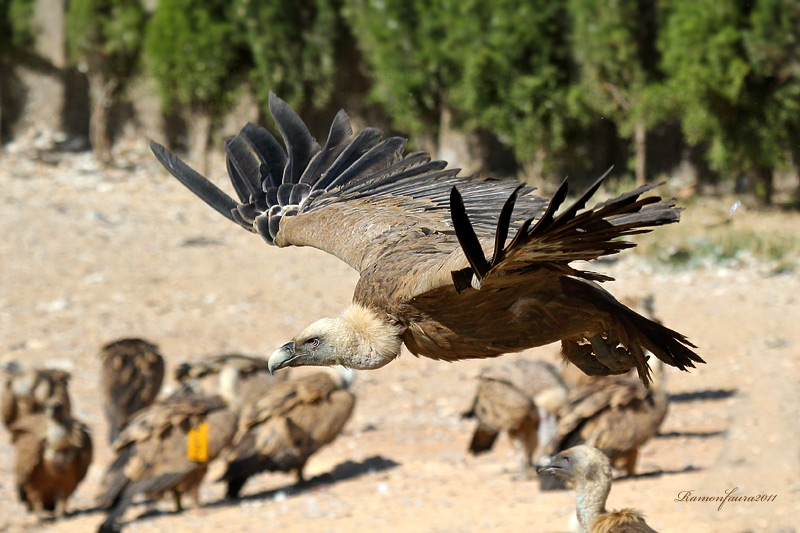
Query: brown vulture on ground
(589, 471)
(289, 423)
(54, 452)
(132, 373)
(437, 271)
(28, 389)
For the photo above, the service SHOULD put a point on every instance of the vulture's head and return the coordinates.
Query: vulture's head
(578, 464)
(357, 339)
(55, 409)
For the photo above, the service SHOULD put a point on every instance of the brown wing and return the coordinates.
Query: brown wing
(28, 436)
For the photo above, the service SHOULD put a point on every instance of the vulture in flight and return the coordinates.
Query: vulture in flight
(132, 374)
(438, 271)
(28, 390)
(589, 471)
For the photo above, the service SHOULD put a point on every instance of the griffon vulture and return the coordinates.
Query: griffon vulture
(166, 447)
(239, 379)
(615, 414)
(28, 389)
(437, 272)
(53, 454)
(522, 397)
(288, 424)
(132, 373)
(589, 471)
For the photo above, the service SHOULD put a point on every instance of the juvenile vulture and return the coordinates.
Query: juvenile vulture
(165, 448)
(437, 272)
(589, 471)
(615, 414)
(28, 389)
(239, 379)
(53, 454)
(287, 425)
(522, 397)
(132, 373)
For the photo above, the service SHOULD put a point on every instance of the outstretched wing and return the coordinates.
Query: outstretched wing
(355, 197)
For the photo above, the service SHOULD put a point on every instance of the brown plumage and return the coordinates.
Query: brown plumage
(287, 425)
(421, 249)
(615, 414)
(239, 379)
(53, 454)
(153, 452)
(28, 389)
(589, 471)
(131, 376)
(522, 397)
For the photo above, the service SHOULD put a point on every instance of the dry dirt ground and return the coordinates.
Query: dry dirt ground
(87, 256)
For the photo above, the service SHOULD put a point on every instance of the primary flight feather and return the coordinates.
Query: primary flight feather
(437, 271)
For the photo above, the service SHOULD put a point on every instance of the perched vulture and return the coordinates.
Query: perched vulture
(132, 374)
(292, 420)
(53, 454)
(615, 414)
(237, 378)
(589, 471)
(522, 397)
(166, 447)
(27, 390)
(437, 272)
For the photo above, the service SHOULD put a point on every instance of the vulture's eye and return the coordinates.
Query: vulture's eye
(313, 342)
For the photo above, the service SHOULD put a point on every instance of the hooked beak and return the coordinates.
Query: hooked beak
(281, 357)
(545, 465)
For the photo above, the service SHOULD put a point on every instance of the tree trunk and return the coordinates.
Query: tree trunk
(640, 145)
(199, 136)
(761, 183)
(458, 148)
(533, 170)
(102, 94)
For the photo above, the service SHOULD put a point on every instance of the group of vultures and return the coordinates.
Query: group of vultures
(451, 267)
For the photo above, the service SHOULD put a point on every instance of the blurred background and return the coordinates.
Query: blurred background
(703, 90)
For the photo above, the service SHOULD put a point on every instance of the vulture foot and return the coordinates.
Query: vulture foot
(597, 358)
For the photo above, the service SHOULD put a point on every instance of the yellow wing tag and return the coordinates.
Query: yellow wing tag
(197, 443)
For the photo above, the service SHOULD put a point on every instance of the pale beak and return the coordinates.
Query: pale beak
(281, 357)
(545, 465)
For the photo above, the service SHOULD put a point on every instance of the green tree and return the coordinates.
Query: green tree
(733, 69)
(194, 52)
(105, 39)
(16, 35)
(614, 46)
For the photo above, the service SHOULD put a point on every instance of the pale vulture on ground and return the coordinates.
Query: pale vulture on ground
(54, 452)
(288, 424)
(437, 272)
(589, 472)
(28, 389)
(132, 374)
(165, 448)
(522, 397)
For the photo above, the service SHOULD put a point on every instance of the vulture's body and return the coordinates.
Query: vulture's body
(522, 397)
(28, 390)
(437, 270)
(132, 374)
(54, 452)
(589, 471)
(288, 424)
(154, 454)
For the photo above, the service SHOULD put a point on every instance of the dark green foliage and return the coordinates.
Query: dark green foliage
(16, 30)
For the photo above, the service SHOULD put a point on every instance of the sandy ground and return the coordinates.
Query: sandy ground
(87, 256)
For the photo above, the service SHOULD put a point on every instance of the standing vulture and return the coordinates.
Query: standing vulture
(437, 272)
(53, 454)
(288, 424)
(522, 397)
(28, 389)
(166, 447)
(589, 471)
(239, 379)
(132, 373)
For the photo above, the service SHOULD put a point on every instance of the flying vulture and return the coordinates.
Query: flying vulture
(437, 270)
(290, 422)
(522, 397)
(28, 389)
(132, 374)
(53, 454)
(165, 448)
(589, 471)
